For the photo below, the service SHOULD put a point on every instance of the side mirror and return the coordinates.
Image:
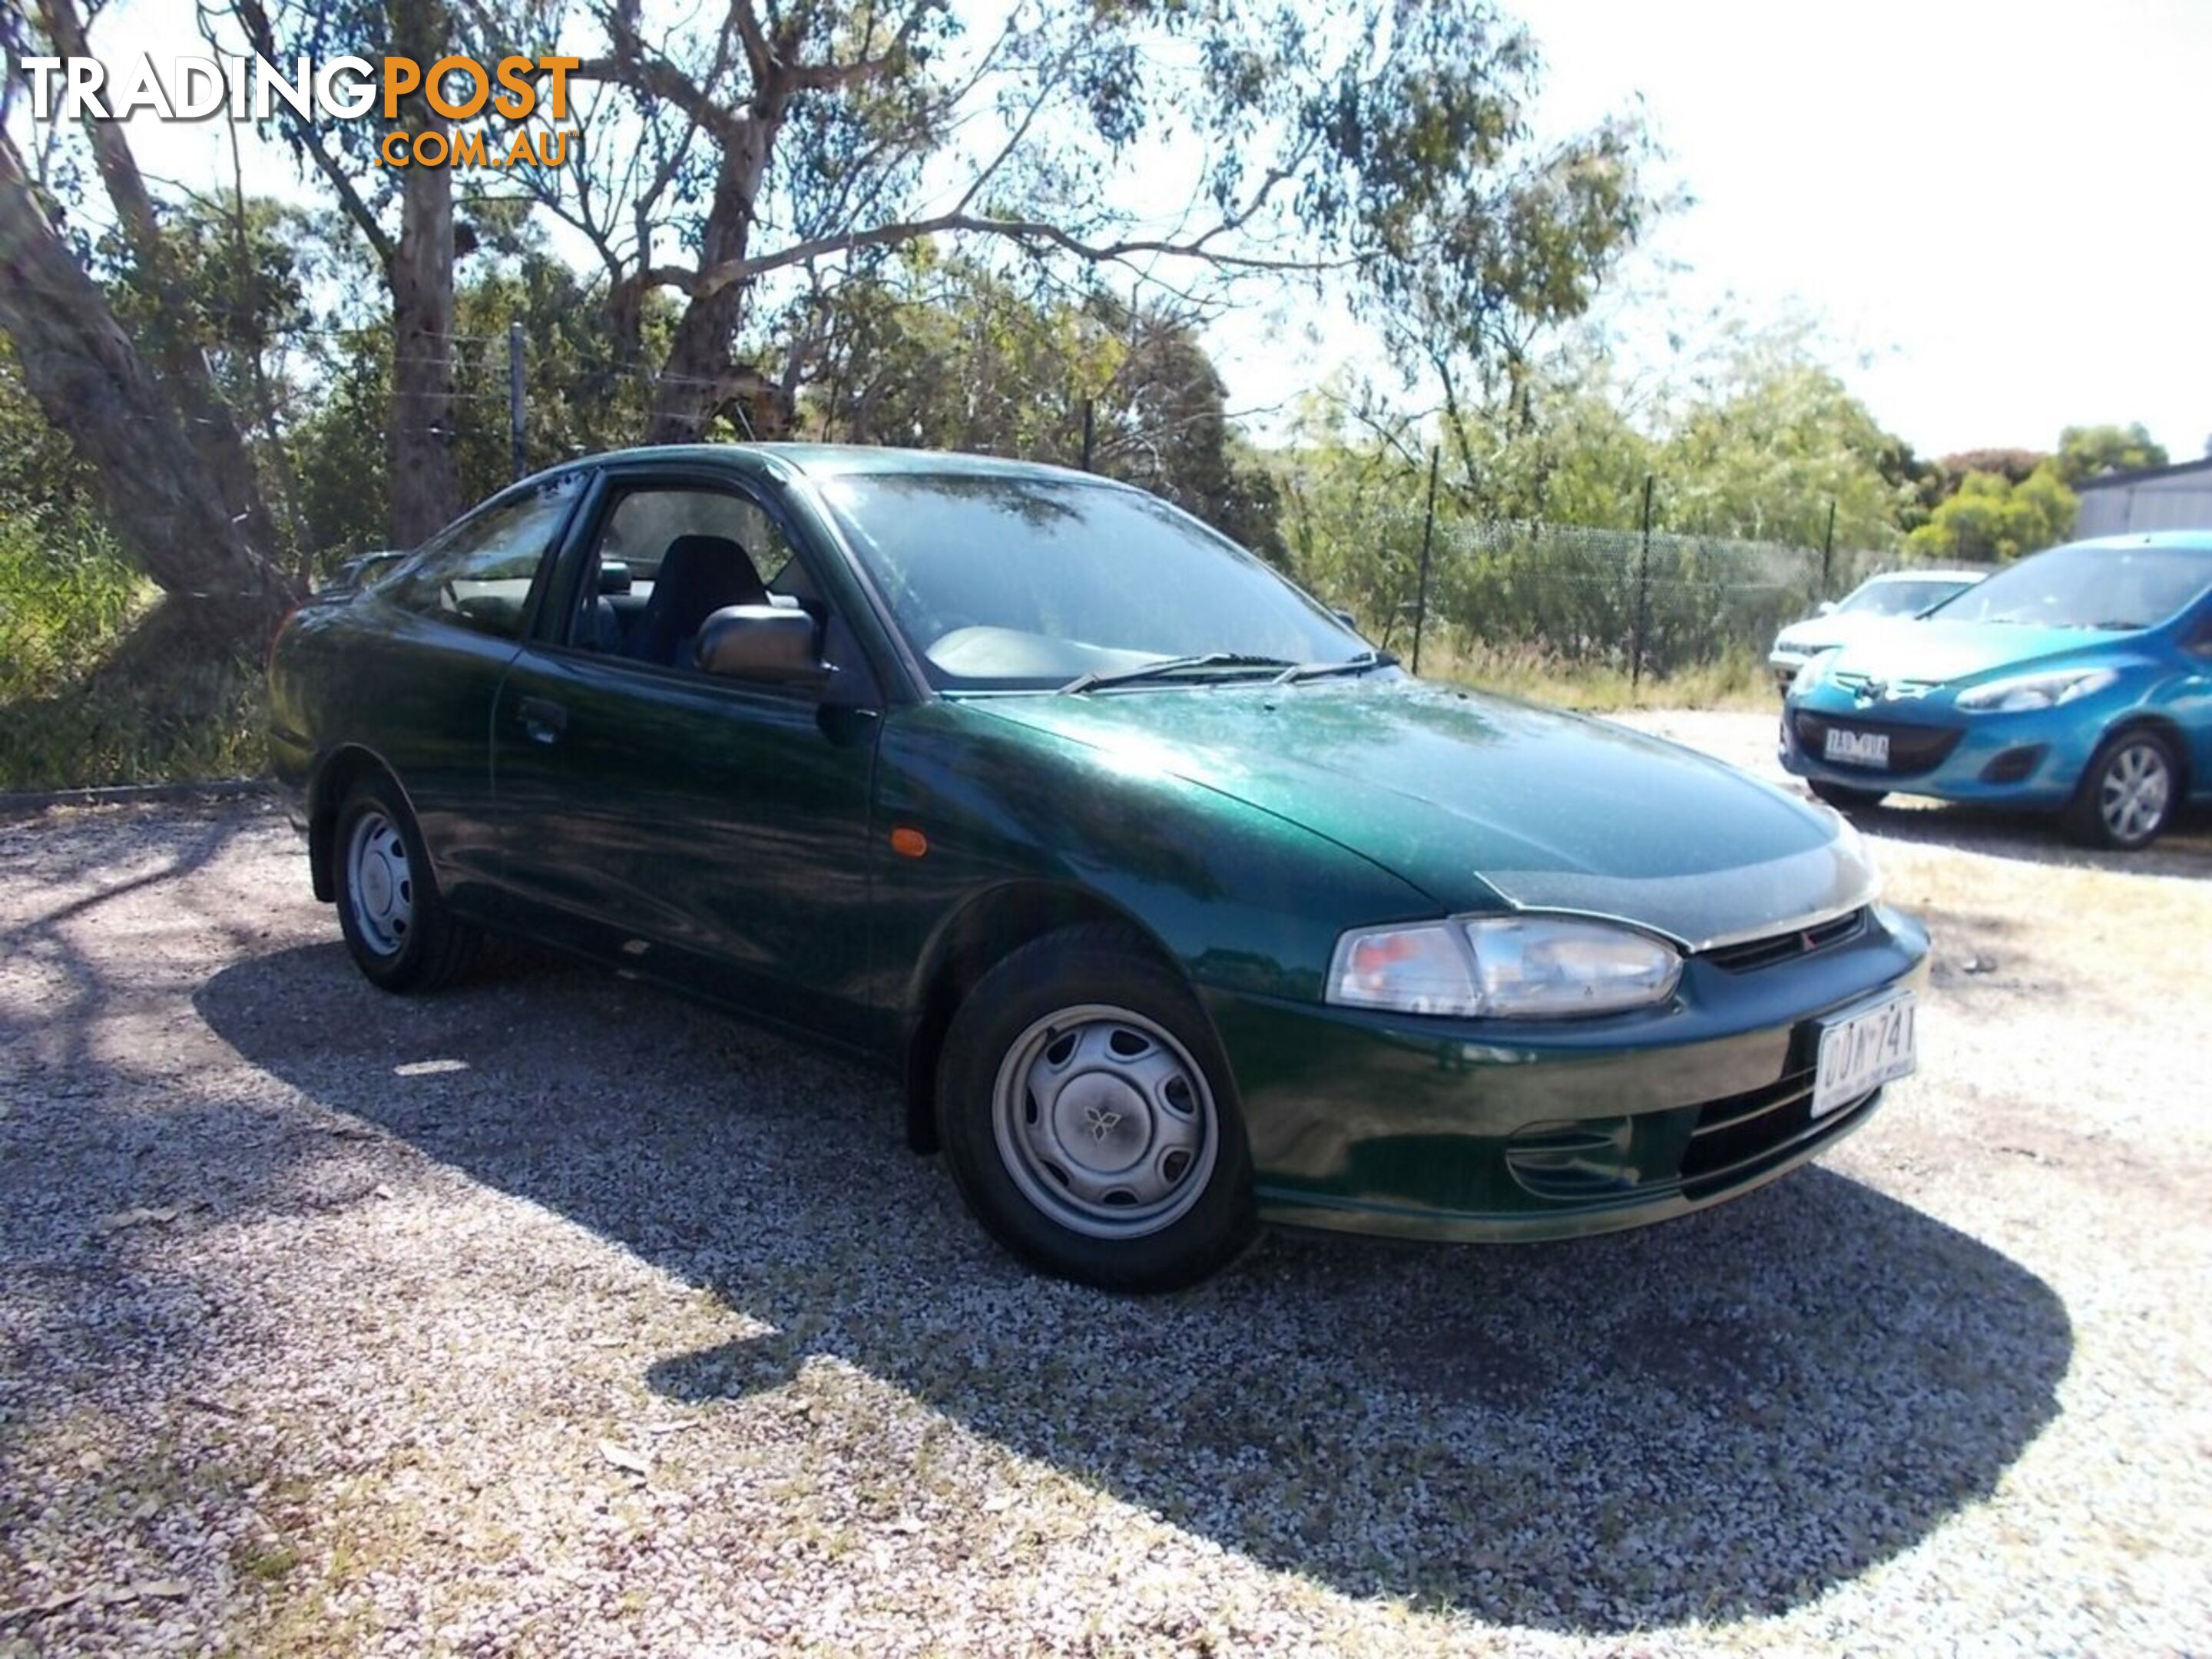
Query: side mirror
(761, 642)
(1826, 607)
(614, 576)
(1347, 619)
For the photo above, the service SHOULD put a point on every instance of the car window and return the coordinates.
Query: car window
(2088, 585)
(1903, 599)
(1015, 581)
(666, 558)
(479, 572)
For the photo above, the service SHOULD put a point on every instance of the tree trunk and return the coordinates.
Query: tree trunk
(209, 430)
(695, 380)
(166, 504)
(425, 488)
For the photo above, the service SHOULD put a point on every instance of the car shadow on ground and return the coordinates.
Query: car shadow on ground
(1725, 1416)
(2185, 849)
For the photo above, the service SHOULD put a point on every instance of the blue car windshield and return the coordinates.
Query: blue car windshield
(2085, 586)
(1006, 581)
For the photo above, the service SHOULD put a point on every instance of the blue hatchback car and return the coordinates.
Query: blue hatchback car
(2077, 681)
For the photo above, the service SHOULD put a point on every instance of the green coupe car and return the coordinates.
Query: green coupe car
(1174, 906)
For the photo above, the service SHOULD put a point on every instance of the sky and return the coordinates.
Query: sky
(1998, 214)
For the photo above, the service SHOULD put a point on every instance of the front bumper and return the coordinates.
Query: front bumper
(1483, 1130)
(2031, 759)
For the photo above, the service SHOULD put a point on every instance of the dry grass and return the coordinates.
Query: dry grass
(1740, 681)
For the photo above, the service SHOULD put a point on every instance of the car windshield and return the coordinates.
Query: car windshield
(2085, 586)
(1007, 582)
(1903, 598)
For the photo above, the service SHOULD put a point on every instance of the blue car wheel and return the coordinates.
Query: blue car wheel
(2128, 791)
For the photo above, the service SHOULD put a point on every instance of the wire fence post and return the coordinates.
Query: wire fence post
(1827, 549)
(1428, 539)
(1643, 594)
(514, 435)
(1090, 429)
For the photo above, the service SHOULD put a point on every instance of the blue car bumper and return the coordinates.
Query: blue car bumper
(2034, 758)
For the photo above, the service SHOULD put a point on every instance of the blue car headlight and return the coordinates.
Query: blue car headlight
(2026, 691)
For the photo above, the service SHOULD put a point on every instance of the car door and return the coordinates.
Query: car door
(699, 828)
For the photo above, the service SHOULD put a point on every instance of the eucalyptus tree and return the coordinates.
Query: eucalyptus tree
(1382, 150)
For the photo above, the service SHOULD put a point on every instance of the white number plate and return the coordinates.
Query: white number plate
(1860, 1054)
(1858, 748)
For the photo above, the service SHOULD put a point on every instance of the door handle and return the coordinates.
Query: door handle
(542, 717)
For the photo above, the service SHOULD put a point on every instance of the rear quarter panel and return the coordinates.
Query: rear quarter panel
(415, 695)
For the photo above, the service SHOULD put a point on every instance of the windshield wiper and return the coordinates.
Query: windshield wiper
(1365, 662)
(2116, 626)
(1169, 667)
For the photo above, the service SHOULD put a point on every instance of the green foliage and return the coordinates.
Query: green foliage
(952, 354)
(1768, 442)
(209, 720)
(1991, 518)
(2013, 465)
(2086, 451)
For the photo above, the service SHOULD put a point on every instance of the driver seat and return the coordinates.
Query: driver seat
(698, 576)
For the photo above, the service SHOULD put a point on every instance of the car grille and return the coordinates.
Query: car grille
(1698, 1151)
(1732, 1133)
(1758, 953)
(1911, 748)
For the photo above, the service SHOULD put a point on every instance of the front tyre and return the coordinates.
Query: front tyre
(1089, 1118)
(2127, 793)
(396, 924)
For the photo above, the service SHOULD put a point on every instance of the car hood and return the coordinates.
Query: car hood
(1476, 799)
(1934, 652)
(1827, 633)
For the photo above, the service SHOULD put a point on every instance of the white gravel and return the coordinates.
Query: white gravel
(554, 1314)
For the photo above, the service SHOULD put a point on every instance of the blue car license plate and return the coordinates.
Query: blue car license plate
(1857, 748)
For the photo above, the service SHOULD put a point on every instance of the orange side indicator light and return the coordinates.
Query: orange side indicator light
(908, 844)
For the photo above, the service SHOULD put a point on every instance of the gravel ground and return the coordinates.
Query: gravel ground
(555, 1315)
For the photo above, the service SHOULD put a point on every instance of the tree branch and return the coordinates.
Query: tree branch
(254, 17)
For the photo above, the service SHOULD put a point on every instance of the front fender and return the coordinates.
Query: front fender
(1241, 900)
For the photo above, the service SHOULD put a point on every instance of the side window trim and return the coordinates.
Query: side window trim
(580, 546)
(561, 609)
(390, 585)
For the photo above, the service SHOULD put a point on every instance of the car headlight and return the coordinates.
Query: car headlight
(1815, 670)
(2026, 691)
(1520, 966)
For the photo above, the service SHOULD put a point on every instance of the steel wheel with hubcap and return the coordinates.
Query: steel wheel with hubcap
(395, 921)
(1087, 1114)
(2127, 792)
(1104, 1122)
(378, 885)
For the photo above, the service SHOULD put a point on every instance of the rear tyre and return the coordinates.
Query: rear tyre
(2127, 793)
(396, 924)
(1089, 1117)
(1844, 798)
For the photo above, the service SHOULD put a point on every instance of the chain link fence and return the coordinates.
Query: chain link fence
(1546, 599)
(1651, 606)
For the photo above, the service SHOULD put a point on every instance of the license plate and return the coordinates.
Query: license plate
(1859, 1054)
(1857, 748)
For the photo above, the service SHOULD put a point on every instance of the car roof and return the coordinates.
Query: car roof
(837, 460)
